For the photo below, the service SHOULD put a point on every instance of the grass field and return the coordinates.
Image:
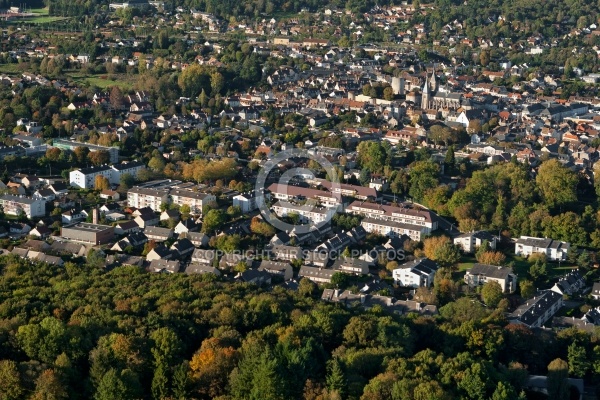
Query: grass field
(41, 17)
(101, 81)
(9, 68)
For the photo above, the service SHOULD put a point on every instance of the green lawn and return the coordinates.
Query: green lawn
(9, 68)
(466, 262)
(41, 16)
(40, 11)
(102, 81)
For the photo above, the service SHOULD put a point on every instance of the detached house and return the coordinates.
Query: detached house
(282, 269)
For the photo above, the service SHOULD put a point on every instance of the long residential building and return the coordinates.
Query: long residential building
(345, 189)
(554, 250)
(85, 178)
(297, 193)
(15, 205)
(537, 311)
(307, 214)
(404, 219)
(140, 197)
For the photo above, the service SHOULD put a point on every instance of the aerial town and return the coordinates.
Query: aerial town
(295, 200)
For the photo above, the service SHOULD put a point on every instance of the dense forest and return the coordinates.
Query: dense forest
(80, 332)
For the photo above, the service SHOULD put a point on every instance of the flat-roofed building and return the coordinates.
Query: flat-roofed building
(88, 233)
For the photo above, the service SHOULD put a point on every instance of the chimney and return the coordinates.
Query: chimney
(95, 216)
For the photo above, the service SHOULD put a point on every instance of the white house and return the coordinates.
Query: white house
(417, 273)
(554, 250)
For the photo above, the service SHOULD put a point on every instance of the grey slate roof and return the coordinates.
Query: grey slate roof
(490, 271)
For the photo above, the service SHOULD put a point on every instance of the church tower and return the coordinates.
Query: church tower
(425, 95)
(433, 83)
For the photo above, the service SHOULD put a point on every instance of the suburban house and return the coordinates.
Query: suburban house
(41, 231)
(159, 253)
(469, 242)
(316, 274)
(482, 273)
(164, 266)
(194, 268)
(170, 214)
(286, 253)
(198, 239)
(351, 265)
(555, 250)
(147, 219)
(316, 258)
(188, 225)
(158, 234)
(282, 269)
(182, 247)
(255, 276)
(123, 228)
(71, 216)
(535, 312)
(201, 256)
(417, 273)
(569, 284)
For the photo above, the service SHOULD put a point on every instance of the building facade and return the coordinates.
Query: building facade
(88, 233)
(15, 205)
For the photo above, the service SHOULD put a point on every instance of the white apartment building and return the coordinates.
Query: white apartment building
(195, 200)
(246, 202)
(14, 205)
(421, 220)
(85, 178)
(308, 214)
(299, 194)
(417, 273)
(140, 197)
(554, 250)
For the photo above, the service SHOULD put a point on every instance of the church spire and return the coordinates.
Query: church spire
(425, 95)
(433, 83)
